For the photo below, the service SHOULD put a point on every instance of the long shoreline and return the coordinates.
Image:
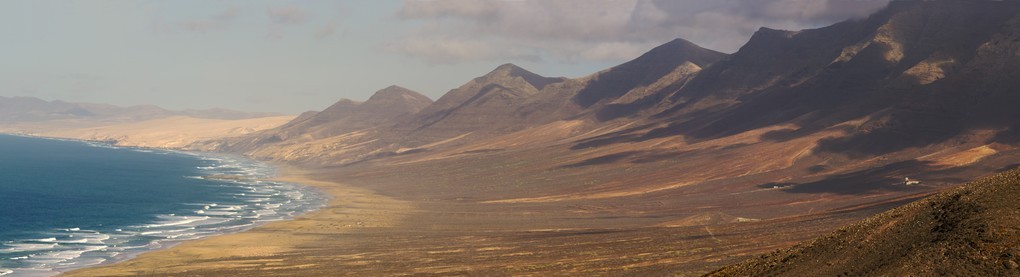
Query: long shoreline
(280, 174)
(165, 245)
(347, 207)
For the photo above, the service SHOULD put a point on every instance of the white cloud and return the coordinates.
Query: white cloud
(460, 8)
(325, 31)
(215, 22)
(288, 15)
(455, 50)
(611, 51)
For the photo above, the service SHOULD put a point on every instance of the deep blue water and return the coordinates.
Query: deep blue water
(69, 204)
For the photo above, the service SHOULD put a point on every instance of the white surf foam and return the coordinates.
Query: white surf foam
(254, 201)
(176, 221)
(74, 241)
(63, 255)
(27, 247)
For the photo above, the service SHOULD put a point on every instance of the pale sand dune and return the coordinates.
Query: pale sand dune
(594, 195)
(169, 132)
(964, 157)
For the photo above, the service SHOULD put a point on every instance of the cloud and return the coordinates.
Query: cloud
(453, 50)
(325, 31)
(459, 8)
(288, 15)
(453, 31)
(214, 22)
(613, 51)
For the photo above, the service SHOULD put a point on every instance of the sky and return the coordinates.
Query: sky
(294, 56)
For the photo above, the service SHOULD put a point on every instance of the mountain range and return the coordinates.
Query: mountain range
(684, 159)
(912, 75)
(921, 89)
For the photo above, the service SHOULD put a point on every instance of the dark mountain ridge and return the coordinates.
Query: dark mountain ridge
(486, 103)
(911, 68)
(384, 107)
(506, 100)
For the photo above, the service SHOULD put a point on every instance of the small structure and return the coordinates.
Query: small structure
(907, 181)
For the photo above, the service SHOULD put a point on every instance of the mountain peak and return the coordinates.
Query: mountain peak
(645, 70)
(393, 87)
(341, 106)
(680, 44)
(346, 101)
(395, 91)
(394, 95)
(680, 50)
(509, 70)
(509, 66)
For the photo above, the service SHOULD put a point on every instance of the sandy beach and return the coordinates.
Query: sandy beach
(266, 247)
(363, 230)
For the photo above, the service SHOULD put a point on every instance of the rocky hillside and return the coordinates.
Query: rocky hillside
(382, 108)
(967, 231)
(794, 134)
(917, 73)
(506, 100)
(484, 104)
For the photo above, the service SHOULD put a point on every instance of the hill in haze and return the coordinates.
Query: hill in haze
(30, 109)
(146, 126)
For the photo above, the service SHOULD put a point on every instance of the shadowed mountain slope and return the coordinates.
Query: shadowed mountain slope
(484, 104)
(645, 70)
(630, 87)
(345, 116)
(383, 107)
(918, 72)
(625, 90)
(510, 98)
(506, 100)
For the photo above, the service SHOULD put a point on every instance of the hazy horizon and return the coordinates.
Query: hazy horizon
(294, 56)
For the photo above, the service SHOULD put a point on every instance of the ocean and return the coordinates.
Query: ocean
(71, 204)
